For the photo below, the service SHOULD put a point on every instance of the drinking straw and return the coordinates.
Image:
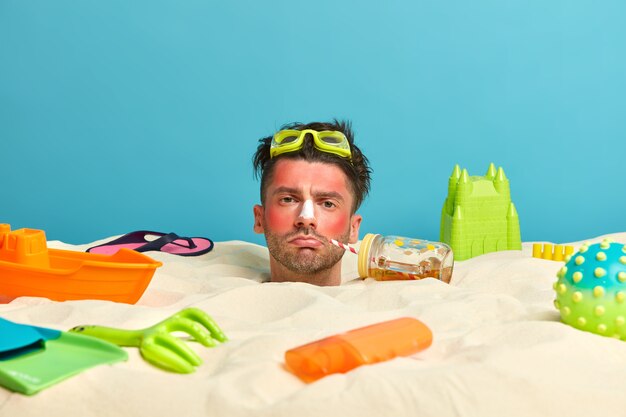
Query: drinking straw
(344, 246)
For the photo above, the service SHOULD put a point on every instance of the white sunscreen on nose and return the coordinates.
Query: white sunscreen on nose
(307, 210)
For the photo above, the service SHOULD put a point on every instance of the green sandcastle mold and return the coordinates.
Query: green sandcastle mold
(478, 216)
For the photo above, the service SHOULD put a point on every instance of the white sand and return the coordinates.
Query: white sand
(499, 348)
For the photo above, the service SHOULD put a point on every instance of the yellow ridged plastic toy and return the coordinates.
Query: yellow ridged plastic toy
(546, 251)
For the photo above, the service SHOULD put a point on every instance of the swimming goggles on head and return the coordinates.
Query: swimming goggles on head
(330, 141)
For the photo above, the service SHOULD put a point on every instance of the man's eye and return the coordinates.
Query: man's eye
(287, 200)
(329, 204)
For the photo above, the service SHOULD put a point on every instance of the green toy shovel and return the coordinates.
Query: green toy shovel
(33, 358)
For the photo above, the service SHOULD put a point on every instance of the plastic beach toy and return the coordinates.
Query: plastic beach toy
(366, 345)
(591, 289)
(158, 346)
(548, 252)
(478, 215)
(33, 358)
(29, 268)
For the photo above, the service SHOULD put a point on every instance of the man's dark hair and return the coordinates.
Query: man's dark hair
(357, 168)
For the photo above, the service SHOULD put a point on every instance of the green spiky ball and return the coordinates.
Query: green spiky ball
(591, 289)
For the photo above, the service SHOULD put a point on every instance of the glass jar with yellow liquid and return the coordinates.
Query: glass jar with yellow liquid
(386, 258)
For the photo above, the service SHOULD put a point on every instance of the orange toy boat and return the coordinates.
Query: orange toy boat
(29, 268)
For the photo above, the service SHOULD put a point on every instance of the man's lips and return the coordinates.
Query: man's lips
(306, 242)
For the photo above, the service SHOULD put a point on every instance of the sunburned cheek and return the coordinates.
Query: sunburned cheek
(278, 220)
(337, 226)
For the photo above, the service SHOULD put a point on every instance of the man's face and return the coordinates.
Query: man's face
(306, 203)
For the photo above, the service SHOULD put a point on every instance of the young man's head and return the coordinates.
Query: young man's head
(313, 179)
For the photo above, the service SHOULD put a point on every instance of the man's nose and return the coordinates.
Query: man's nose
(306, 218)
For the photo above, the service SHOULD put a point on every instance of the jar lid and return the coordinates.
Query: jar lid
(364, 254)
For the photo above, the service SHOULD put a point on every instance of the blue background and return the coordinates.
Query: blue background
(122, 115)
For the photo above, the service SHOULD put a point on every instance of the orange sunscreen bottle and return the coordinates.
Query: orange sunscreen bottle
(366, 345)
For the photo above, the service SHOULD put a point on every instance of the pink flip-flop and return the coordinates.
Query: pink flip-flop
(169, 243)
